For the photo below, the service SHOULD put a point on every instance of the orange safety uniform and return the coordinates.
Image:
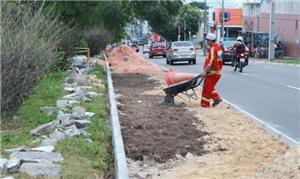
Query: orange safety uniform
(214, 64)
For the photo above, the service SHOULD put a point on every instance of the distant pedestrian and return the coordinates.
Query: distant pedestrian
(212, 71)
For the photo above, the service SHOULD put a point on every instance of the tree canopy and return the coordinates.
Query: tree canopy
(164, 17)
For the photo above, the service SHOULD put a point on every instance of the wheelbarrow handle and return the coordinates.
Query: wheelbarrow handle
(197, 78)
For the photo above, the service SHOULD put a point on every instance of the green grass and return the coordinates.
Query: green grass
(81, 159)
(292, 61)
(15, 130)
(89, 160)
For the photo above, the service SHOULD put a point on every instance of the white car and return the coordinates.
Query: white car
(146, 49)
(181, 51)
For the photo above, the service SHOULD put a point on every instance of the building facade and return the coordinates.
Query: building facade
(233, 21)
(286, 22)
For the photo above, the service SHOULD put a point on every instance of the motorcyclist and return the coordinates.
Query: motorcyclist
(239, 47)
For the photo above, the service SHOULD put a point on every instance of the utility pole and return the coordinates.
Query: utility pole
(205, 28)
(184, 30)
(222, 22)
(271, 31)
(205, 20)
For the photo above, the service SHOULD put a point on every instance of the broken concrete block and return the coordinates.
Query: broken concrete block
(78, 112)
(57, 135)
(44, 128)
(81, 123)
(48, 148)
(3, 162)
(72, 131)
(35, 169)
(12, 165)
(89, 114)
(37, 156)
(17, 149)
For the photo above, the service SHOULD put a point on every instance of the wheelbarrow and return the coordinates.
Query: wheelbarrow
(185, 87)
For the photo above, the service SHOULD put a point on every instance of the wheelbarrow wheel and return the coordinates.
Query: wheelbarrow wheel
(169, 100)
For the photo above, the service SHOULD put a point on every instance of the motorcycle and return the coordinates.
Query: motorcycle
(239, 62)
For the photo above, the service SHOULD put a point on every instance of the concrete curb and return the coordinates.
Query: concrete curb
(121, 171)
(276, 63)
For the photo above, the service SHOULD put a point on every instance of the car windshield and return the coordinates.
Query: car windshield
(183, 44)
(228, 44)
(158, 45)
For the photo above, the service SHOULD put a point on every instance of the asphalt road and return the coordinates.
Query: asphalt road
(269, 92)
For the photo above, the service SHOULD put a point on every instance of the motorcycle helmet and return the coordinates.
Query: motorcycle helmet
(239, 38)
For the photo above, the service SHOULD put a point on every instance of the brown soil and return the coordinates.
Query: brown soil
(151, 129)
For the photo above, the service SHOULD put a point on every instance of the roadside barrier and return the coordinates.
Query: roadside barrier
(81, 50)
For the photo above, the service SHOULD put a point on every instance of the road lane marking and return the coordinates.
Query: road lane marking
(293, 87)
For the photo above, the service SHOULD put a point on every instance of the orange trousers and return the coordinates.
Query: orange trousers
(208, 91)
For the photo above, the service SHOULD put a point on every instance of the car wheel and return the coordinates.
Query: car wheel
(194, 61)
(167, 60)
(150, 56)
(164, 56)
(171, 62)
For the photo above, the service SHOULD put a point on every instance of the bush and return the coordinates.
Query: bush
(29, 46)
(97, 38)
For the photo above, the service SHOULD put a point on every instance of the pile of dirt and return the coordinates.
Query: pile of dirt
(151, 129)
(123, 59)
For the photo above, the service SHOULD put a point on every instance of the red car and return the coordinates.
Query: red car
(158, 49)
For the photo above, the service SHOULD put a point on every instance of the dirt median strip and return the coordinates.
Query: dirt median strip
(218, 142)
(151, 129)
(223, 142)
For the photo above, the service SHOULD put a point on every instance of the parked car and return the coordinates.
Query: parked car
(146, 49)
(157, 49)
(135, 47)
(181, 51)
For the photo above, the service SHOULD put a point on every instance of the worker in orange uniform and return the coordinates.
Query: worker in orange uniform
(212, 72)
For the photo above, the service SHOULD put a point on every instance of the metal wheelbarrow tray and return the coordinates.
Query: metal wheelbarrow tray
(183, 87)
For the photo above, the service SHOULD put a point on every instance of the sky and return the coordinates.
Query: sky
(218, 3)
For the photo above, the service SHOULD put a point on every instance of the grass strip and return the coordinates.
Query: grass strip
(82, 159)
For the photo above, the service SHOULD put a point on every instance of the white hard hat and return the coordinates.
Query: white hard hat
(239, 38)
(211, 36)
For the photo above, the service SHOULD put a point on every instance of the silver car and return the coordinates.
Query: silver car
(146, 49)
(181, 51)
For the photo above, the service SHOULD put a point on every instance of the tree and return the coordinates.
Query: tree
(161, 15)
(191, 15)
(200, 5)
(112, 15)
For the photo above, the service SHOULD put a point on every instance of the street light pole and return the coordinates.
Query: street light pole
(184, 30)
(271, 29)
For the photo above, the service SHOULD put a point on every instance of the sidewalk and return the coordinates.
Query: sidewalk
(276, 62)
